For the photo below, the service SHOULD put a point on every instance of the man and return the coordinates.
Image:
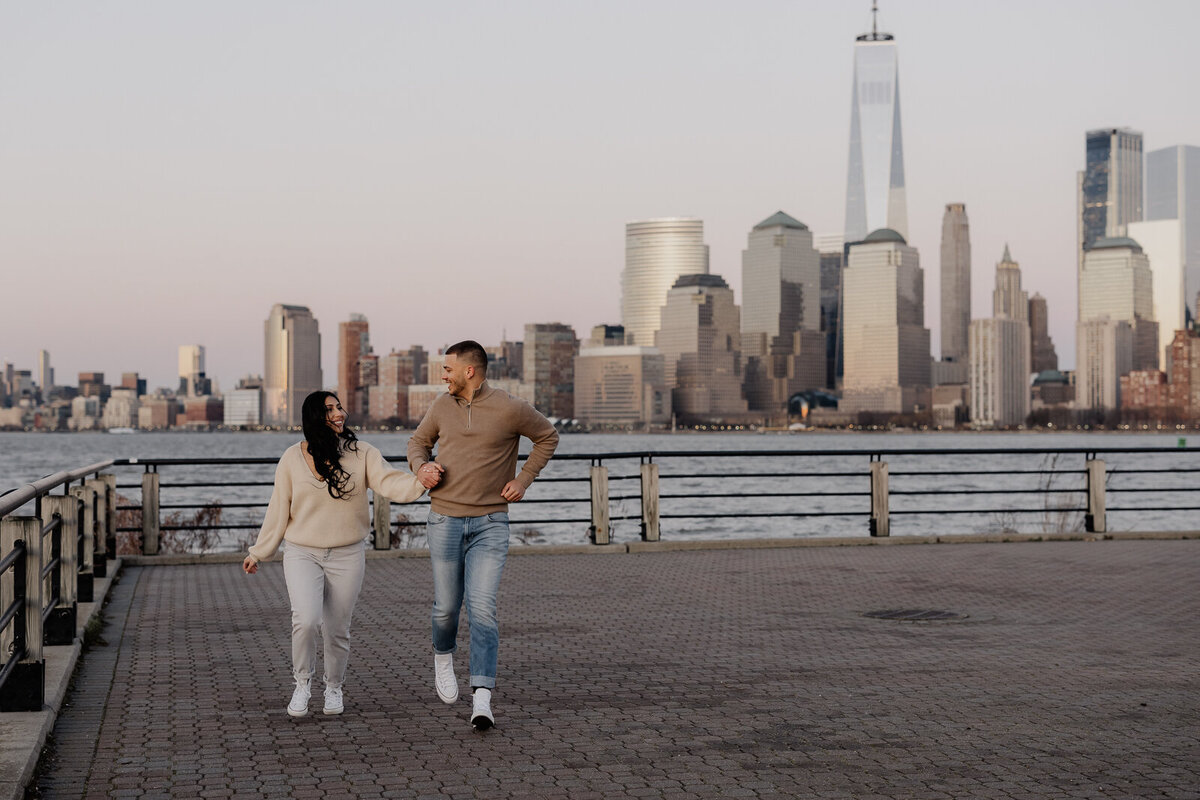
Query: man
(477, 430)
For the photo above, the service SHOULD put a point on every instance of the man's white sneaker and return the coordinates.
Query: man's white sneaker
(333, 700)
(443, 677)
(481, 710)
(299, 705)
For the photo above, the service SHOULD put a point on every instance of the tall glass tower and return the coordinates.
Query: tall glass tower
(875, 183)
(657, 252)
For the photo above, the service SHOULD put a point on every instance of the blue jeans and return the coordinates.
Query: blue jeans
(468, 556)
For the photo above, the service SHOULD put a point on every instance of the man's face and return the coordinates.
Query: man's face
(455, 374)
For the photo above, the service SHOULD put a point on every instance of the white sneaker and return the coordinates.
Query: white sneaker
(443, 675)
(481, 710)
(299, 705)
(333, 700)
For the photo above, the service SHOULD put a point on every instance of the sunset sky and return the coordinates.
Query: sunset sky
(168, 171)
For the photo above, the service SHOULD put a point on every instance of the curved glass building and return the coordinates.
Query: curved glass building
(657, 252)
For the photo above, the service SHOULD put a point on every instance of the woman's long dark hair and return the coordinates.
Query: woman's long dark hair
(325, 445)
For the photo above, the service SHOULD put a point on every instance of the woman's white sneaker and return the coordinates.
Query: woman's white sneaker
(443, 677)
(299, 705)
(333, 700)
(481, 710)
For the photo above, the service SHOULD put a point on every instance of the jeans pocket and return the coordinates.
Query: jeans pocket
(498, 516)
(436, 519)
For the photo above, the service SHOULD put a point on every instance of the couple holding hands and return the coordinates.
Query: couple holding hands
(319, 508)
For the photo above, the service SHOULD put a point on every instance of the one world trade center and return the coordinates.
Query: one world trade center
(875, 183)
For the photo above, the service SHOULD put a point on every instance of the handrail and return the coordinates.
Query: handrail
(15, 498)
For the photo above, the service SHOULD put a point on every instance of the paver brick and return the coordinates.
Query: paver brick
(675, 674)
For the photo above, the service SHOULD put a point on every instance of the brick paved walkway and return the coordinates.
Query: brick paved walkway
(738, 673)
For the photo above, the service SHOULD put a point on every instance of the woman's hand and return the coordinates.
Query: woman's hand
(250, 566)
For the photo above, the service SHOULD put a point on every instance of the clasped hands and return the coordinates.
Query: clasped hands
(430, 474)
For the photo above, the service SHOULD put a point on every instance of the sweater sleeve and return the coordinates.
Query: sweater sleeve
(535, 427)
(279, 512)
(394, 484)
(420, 444)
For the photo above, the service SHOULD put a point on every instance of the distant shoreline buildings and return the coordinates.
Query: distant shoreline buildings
(830, 330)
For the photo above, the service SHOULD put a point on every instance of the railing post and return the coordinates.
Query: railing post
(89, 500)
(110, 521)
(1094, 521)
(383, 521)
(106, 503)
(150, 513)
(880, 523)
(25, 689)
(599, 532)
(650, 502)
(60, 625)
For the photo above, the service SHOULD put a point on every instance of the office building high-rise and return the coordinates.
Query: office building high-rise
(1170, 236)
(956, 282)
(1117, 284)
(886, 342)
(549, 356)
(354, 342)
(1109, 188)
(782, 343)
(699, 338)
(1042, 356)
(45, 373)
(875, 195)
(619, 385)
(998, 353)
(292, 363)
(832, 253)
(192, 378)
(657, 252)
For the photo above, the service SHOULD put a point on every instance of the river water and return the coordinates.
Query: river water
(723, 495)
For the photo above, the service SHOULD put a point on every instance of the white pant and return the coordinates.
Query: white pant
(323, 584)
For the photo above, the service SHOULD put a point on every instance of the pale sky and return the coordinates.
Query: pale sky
(168, 171)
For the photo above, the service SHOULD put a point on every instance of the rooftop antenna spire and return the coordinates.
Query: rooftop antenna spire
(874, 18)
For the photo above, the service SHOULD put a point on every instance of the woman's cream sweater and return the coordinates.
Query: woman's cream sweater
(301, 510)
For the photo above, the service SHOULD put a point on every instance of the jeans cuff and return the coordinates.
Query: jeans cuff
(483, 682)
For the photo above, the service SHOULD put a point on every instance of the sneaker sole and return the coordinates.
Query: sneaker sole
(482, 723)
(333, 712)
(297, 714)
(447, 699)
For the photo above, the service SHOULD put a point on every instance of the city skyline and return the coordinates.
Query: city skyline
(189, 197)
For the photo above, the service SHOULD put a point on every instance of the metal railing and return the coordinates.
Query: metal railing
(48, 562)
(877, 488)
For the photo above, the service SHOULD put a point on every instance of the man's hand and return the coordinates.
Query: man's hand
(430, 474)
(250, 565)
(512, 491)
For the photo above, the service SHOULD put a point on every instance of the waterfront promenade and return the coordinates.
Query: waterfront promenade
(748, 672)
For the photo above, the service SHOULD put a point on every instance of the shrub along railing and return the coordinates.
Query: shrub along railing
(48, 560)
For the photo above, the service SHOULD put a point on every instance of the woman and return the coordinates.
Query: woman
(319, 507)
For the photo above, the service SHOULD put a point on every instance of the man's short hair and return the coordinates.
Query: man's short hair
(470, 352)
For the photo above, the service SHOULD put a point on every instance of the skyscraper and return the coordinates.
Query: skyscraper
(1110, 186)
(354, 342)
(192, 379)
(1170, 236)
(956, 282)
(699, 338)
(887, 343)
(657, 252)
(781, 313)
(1117, 284)
(999, 353)
(1042, 354)
(292, 363)
(45, 373)
(875, 184)
(832, 252)
(549, 364)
